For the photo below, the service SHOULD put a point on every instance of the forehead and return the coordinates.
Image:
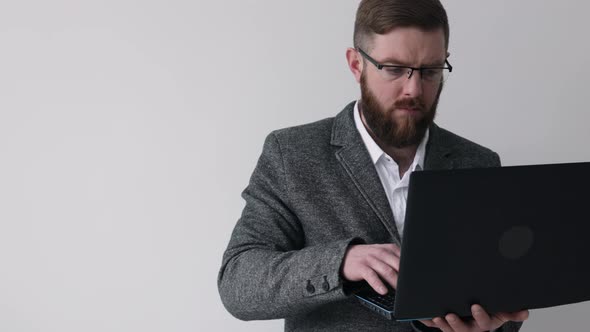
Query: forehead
(410, 45)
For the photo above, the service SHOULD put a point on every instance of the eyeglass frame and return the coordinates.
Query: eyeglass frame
(411, 70)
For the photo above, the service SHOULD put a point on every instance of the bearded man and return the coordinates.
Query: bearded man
(326, 203)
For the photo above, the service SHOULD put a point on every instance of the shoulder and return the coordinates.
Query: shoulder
(319, 135)
(303, 149)
(303, 142)
(459, 143)
(317, 132)
(463, 150)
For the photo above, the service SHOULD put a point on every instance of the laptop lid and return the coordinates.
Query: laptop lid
(507, 238)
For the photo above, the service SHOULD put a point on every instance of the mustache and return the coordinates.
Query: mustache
(413, 103)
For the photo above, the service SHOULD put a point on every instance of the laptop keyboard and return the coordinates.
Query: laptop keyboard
(385, 301)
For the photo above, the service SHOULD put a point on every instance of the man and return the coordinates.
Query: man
(326, 203)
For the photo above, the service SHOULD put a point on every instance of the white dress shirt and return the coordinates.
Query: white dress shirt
(388, 170)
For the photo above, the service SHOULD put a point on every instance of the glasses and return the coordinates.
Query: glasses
(432, 74)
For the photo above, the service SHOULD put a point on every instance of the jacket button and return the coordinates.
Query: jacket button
(326, 284)
(310, 288)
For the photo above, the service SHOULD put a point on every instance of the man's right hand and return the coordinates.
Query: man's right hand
(374, 263)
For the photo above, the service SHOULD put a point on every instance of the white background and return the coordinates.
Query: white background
(128, 130)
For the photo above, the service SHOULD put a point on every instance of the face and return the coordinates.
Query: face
(399, 112)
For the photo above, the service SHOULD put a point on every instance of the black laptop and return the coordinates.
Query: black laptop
(507, 238)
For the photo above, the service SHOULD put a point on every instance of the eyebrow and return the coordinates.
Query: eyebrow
(394, 61)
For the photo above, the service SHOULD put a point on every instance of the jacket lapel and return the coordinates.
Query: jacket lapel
(357, 162)
(438, 151)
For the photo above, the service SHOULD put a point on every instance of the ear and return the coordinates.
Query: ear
(448, 54)
(355, 63)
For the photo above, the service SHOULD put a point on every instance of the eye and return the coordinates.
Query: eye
(431, 72)
(395, 71)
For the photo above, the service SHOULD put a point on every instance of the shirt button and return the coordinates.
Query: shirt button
(310, 288)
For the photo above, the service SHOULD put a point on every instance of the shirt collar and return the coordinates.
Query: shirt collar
(377, 153)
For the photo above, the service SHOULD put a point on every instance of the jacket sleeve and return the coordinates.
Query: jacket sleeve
(510, 327)
(267, 270)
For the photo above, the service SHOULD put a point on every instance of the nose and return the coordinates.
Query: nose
(413, 85)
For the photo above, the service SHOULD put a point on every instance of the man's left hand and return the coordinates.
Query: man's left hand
(481, 322)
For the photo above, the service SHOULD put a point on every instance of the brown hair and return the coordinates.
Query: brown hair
(382, 16)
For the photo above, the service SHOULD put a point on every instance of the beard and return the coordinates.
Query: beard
(401, 131)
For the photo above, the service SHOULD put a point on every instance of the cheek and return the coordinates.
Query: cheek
(430, 96)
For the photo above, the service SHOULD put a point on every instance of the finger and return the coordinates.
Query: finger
(518, 316)
(386, 272)
(456, 323)
(394, 248)
(428, 322)
(442, 324)
(386, 256)
(374, 281)
(389, 248)
(483, 320)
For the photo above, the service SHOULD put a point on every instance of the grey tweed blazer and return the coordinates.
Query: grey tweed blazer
(314, 192)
